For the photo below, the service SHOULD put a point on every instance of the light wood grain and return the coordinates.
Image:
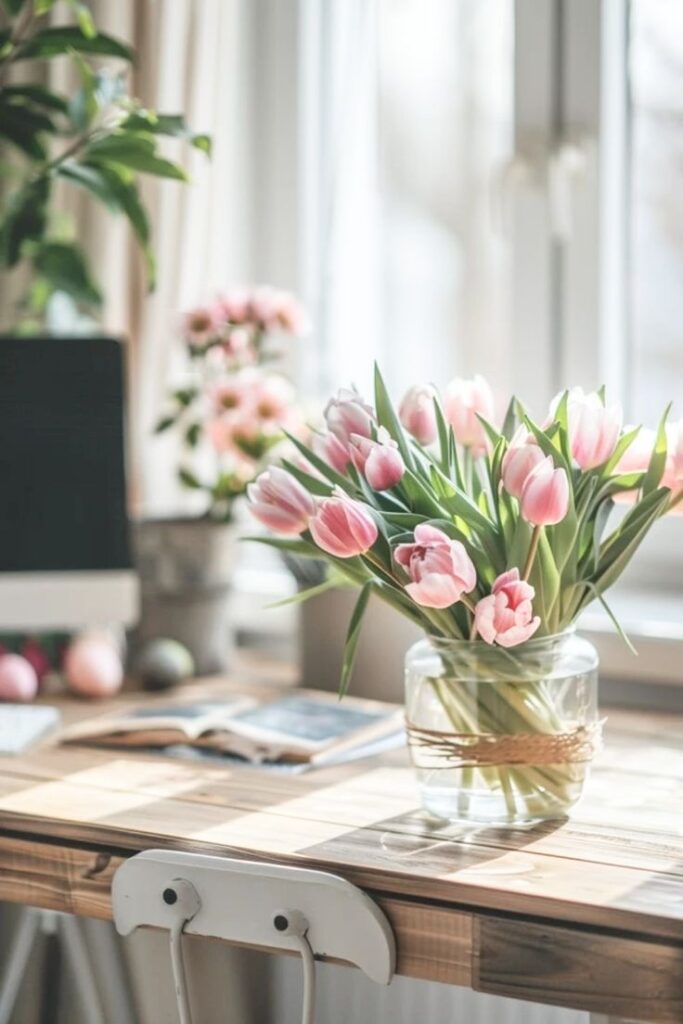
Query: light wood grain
(608, 881)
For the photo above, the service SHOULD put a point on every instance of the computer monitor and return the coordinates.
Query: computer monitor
(64, 549)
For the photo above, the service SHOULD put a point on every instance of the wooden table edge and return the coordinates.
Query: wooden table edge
(559, 963)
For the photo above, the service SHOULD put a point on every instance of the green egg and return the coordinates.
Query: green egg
(163, 663)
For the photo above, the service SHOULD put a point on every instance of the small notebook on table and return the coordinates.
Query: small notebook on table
(302, 728)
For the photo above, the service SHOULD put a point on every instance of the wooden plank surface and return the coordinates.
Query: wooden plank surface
(618, 862)
(610, 876)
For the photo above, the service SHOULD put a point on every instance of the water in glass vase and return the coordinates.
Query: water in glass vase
(501, 736)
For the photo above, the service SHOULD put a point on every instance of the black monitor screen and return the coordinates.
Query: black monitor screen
(62, 474)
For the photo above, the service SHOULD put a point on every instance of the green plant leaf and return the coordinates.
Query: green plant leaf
(615, 621)
(655, 470)
(164, 424)
(166, 124)
(13, 6)
(24, 220)
(135, 151)
(623, 444)
(387, 418)
(23, 128)
(83, 105)
(510, 420)
(120, 195)
(352, 638)
(312, 484)
(307, 594)
(188, 479)
(58, 40)
(84, 18)
(35, 94)
(64, 266)
(192, 434)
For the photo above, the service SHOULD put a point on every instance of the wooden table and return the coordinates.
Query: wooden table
(585, 914)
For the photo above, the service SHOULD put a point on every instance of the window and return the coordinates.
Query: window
(493, 185)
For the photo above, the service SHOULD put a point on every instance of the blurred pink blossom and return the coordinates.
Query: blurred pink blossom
(417, 413)
(465, 400)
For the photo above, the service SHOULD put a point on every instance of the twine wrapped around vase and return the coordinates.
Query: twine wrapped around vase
(477, 750)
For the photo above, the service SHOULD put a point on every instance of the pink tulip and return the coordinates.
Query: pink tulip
(348, 414)
(329, 448)
(280, 502)
(506, 616)
(673, 471)
(440, 569)
(465, 399)
(417, 414)
(637, 456)
(594, 428)
(519, 461)
(379, 461)
(343, 527)
(545, 496)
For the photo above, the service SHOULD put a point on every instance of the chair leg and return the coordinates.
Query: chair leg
(17, 962)
(76, 951)
(109, 970)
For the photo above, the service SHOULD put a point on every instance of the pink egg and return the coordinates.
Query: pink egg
(18, 679)
(92, 666)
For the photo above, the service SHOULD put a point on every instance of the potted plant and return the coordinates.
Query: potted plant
(229, 413)
(493, 541)
(99, 139)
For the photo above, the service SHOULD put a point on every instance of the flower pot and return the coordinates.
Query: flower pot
(501, 737)
(385, 638)
(186, 569)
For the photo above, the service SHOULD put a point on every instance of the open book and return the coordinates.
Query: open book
(302, 727)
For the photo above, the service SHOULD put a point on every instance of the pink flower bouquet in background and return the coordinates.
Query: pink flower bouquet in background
(235, 407)
(493, 539)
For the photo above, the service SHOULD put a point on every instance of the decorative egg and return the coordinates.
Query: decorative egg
(163, 663)
(92, 665)
(18, 679)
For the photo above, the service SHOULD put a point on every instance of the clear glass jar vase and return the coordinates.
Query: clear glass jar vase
(502, 736)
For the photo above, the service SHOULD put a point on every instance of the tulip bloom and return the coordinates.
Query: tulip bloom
(465, 399)
(348, 414)
(342, 527)
(440, 569)
(545, 495)
(280, 502)
(330, 448)
(594, 428)
(379, 461)
(519, 461)
(506, 616)
(417, 414)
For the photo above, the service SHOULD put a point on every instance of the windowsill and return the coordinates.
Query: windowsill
(653, 621)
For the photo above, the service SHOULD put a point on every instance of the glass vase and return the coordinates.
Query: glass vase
(500, 736)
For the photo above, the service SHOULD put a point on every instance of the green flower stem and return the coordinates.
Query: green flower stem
(533, 548)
